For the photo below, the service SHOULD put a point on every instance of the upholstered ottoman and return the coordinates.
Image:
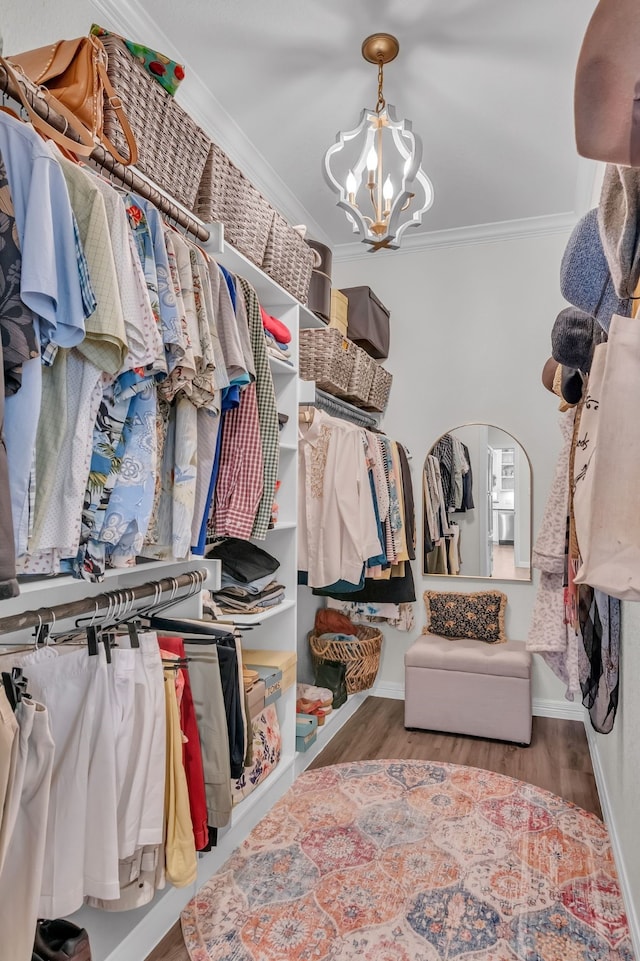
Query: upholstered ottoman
(469, 687)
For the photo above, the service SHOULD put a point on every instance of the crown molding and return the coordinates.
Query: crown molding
(129, 19)
(474, 234)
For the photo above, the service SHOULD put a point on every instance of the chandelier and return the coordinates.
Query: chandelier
(376, 166)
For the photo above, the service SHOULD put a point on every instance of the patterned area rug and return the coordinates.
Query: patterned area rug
(414, 861)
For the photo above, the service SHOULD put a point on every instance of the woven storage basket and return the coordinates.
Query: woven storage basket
(172, 148)
(213, 186)
(362, 374)
(326, 357)
(246, 216)
(380, 389)
(288, 259)
(361, 657)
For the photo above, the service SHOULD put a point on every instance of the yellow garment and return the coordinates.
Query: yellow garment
(180, 850)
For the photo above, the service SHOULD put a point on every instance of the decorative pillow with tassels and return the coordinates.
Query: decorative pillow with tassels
(167, 72)
(478, 616)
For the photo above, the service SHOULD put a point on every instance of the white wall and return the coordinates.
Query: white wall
(32, 25)
(470, 332)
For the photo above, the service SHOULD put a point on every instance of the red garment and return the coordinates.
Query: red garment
(279, 330)
(191, 753)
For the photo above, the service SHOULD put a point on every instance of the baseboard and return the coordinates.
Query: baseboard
(616, 844)
(569, 710)
(388, 689)
(541, 706)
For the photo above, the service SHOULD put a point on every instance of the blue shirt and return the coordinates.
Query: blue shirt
(50, 282)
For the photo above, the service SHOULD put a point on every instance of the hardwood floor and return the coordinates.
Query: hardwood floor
(557, 759)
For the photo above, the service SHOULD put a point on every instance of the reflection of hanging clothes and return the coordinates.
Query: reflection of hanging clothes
(436, 559)
(467, 484)
(460, 468)
(442, 450)
(453, 550)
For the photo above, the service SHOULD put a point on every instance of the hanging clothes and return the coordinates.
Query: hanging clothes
(337, 530)
(267, 411)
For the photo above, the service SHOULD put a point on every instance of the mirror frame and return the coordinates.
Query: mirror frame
(480, 577)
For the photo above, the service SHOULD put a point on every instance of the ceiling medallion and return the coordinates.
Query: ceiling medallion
(377, 165)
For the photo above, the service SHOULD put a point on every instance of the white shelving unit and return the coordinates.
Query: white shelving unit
(131, 936)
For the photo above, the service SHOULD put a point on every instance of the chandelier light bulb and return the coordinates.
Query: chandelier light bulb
(372, 160)
(387, 190)
(351, 182)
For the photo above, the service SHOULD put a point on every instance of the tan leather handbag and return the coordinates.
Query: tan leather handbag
(607, 85)
(72, 75)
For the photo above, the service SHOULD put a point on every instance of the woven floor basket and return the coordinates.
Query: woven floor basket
(172, 148)
(327, 357)
(361, 657)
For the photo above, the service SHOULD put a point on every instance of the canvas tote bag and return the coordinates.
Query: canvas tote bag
(607, 466)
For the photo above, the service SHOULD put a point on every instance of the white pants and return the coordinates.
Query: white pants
(141, 811)
(81, 854)
(21, 876)
(8, 760)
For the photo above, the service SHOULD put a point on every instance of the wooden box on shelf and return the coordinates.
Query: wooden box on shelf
(339, 311)
(284, 661)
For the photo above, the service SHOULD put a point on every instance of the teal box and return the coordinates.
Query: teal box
(306, 731)
(272, 678)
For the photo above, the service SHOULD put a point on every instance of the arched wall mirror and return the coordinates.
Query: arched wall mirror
(476, 505)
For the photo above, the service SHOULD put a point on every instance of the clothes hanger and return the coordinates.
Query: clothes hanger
(15, 686)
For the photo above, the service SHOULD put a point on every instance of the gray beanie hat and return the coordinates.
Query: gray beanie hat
(585, 280)
(573, 338)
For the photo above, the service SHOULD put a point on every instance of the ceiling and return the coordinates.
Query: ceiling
(488, 85)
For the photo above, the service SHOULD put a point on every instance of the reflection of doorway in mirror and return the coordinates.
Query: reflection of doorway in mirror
(504, 566)
(510, 497)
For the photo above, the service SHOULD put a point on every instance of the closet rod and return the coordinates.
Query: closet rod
(89, 605)
(129, 177)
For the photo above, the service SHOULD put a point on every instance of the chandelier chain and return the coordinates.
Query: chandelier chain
(381, 103)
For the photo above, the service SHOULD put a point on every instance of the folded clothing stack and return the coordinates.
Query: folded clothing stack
(239, 599)
(277, 336)
(248, 582)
